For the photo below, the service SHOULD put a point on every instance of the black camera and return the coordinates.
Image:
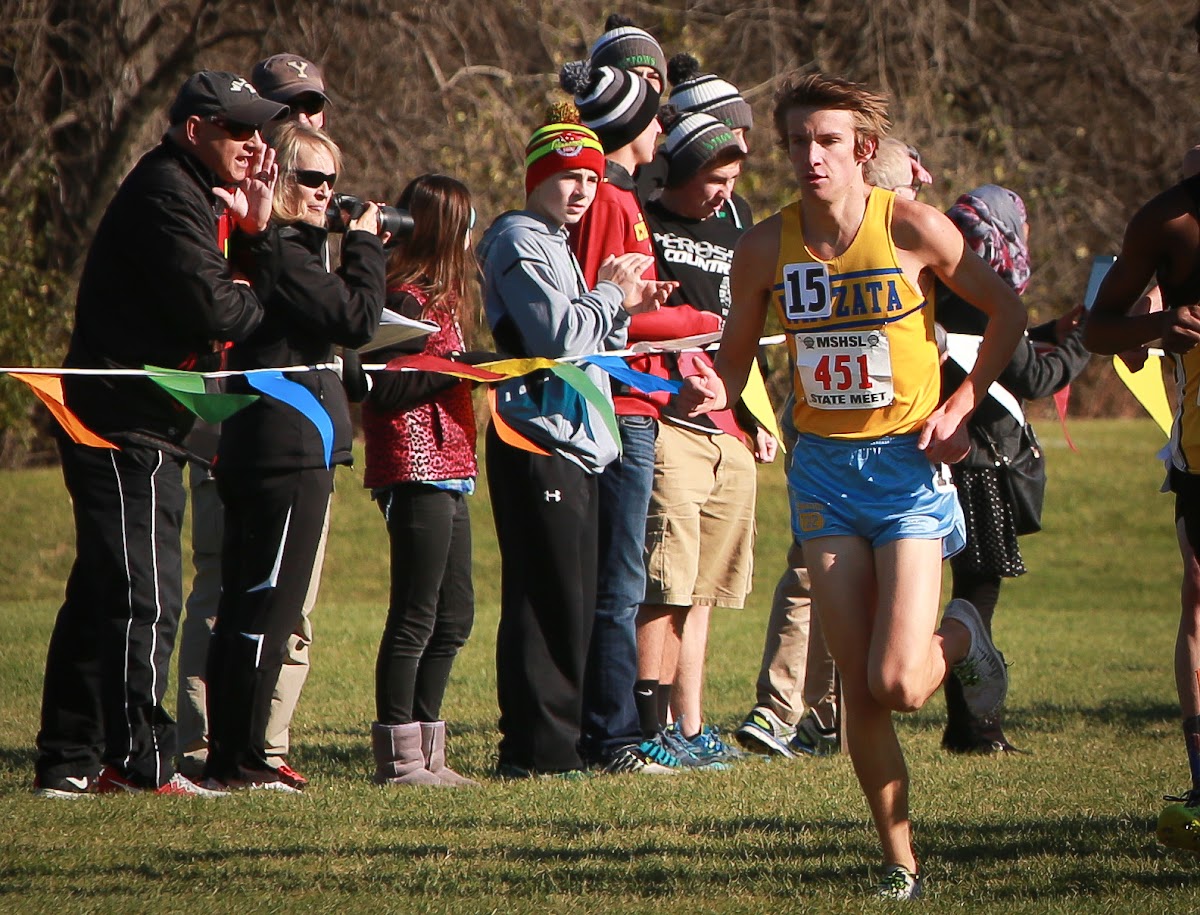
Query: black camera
(344, 208)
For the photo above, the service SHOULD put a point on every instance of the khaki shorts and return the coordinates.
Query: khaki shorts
(700, 528)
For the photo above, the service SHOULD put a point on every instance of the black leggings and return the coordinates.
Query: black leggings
(432, 603)
(981, 590)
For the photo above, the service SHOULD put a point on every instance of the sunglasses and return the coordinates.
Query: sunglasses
(236, 129)
(310, 177)
(309, 104)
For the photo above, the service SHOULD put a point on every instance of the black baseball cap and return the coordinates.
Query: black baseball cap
(215, 92)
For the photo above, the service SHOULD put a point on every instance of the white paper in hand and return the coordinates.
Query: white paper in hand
(395, 328)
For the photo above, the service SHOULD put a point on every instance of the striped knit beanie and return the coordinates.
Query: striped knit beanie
(695, 91)
(617, 104)
(623, 45)
(693, 139)
(558, 148)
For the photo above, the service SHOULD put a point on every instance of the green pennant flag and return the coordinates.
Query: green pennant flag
(588, 391)
(188, 389)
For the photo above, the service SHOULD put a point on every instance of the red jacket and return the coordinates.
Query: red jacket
(615, 224)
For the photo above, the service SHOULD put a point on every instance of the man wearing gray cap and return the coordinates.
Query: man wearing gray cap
(295, 82)
(156, 290)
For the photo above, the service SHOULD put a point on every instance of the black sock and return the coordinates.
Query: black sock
(645, 697)
(664, 704)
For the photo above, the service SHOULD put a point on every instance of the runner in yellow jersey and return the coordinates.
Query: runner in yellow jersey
(848, 267)
(1163, 242)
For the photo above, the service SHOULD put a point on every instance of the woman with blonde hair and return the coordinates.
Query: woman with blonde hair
(275, 461)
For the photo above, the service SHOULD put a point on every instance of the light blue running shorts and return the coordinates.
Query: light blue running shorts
(881, 490)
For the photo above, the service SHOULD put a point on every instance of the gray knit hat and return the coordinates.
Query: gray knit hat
(695, 91)
(693, 139)
(624, 45)
(617, 104)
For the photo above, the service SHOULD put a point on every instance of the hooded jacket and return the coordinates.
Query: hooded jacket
(538, 304)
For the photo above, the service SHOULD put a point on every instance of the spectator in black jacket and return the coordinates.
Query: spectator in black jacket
(992, 220)
(155, 290)
(273, 471)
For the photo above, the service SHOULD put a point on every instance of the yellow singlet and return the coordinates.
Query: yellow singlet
(861, 334)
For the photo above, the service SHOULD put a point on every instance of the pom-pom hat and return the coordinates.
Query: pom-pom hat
(617, 104)
(556, 148)
(624, 46)
(695, 91)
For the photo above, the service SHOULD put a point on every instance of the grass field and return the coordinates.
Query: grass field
(1068, 829)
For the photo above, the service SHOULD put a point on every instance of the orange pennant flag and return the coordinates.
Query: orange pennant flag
(49, 391)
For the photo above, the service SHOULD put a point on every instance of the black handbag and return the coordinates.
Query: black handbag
(1023, 477)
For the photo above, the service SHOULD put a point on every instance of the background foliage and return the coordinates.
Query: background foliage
(1082, 106)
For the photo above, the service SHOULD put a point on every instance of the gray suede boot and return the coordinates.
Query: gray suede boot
(398, 756)
(433, 748)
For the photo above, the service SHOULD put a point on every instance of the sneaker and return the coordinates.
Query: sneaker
(690, 754)
(657, 750)
(64, 787)
(899, 883)
(268, 779)
(113, 782)
(1179, 824)
(764, 732)
(513, 772)
(982, 673)
(291, 776)
(708, 745)
(631, 759)
(811, 739)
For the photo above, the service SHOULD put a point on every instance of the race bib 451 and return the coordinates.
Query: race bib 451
(845, 370)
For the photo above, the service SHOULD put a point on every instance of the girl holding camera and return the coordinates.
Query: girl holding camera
(420, 467)
(274, 469)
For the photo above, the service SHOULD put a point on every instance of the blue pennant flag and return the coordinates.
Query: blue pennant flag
(639, 381)
(301, 398)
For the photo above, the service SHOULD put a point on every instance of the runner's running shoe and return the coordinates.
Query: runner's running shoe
(1179, 824)
(765, 732)
(899, 883)
(982, 673)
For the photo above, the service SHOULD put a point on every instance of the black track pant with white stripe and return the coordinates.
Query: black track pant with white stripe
(273, 524)
(106, 669)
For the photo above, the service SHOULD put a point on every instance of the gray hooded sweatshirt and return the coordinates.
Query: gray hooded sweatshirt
(538, 304)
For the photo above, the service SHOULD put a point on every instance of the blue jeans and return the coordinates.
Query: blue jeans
(610, 719)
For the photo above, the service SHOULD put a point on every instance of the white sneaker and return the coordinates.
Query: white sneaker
(982, 673)
(899, 883)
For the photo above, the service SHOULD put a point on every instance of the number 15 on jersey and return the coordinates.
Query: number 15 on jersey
(806, 294)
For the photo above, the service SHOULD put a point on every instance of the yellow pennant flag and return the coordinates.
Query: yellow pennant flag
(49, 391)
(754, 396)
(513, 368)
(1146, 385)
